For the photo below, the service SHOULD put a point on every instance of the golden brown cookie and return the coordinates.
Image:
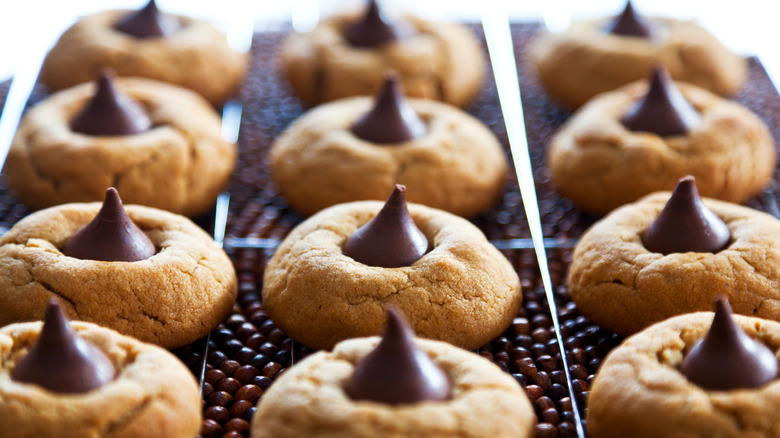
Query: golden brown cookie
(585, 60)
(440, 61)
(640, 392)
(197, 56)
(462, 291)
(600, 164)
(457, 165)
(153, 394)
(623, 287)
(180, 164)
(486, 402)
(170, 299)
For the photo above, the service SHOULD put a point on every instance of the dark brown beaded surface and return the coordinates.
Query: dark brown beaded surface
(246, 353)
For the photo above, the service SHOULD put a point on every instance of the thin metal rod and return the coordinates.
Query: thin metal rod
(236, 243)
(495, 23)
(18, 95)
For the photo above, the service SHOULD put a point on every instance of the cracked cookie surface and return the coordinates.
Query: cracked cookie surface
(640, 392)
(457, 165)
(180, 164)
(600, 164)
(197, 56)
(586, 60)
(439, 61)
(153, 394)
(623, 287)
(310, 400)
(463, 291)
(170, 299)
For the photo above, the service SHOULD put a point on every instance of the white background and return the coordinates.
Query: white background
(29, 27)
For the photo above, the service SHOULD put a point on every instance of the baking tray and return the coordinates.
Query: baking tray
(244, 355)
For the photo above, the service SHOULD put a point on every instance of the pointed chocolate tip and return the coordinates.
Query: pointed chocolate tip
(110, 111)
(392, 119)
(111, 236)
(663, 110)
(686, 225)
(727, 358)
(60, 360)
(391, 239)
(148, 22)
(628, 23)
(396, 371)
(371, 29)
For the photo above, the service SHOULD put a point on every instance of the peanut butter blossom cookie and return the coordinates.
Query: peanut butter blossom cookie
(645, 136)
(596, 56)
(62, 380)
(348, 55)
(335, 274)
(394, 386)
(146, 273)
(699, 375)
(667, 255)
(147, 43)
(355, 149)
(159, 145)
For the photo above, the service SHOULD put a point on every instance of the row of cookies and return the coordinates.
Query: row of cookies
(148, 274)
(643, 264)
(335, 274)
(628, 139)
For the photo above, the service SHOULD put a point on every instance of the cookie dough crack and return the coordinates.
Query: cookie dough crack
(116, 427)
(49, 288)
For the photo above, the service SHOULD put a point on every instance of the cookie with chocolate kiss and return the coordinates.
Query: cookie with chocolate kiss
(143, 272)
(397, 385)
(360, 148)
(347, 54)
(159, 145)
(595, 56)
(61, 379)
(645, 136)
(693, 375)
(334, 275)
(110, 111)
(148, 22)
(181, 50)
(61, 361)
(674, 253)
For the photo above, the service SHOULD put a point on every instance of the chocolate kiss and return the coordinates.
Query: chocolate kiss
(148, 22)
(629, 24)
(110, 237)
(727, 358)
(396, 371)
(392, 119)
(371, 29)
(686, 224)
(110, 112)
(664, 110)
(61, 361)
(390, 239)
